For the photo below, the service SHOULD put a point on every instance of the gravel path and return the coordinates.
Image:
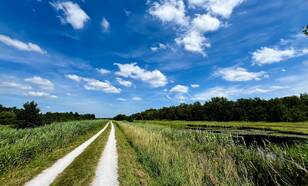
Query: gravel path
(107, 169)
(46, 177)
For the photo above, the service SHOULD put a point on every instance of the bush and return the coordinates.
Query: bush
(7, 118)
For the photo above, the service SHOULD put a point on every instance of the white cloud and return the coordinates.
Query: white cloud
(194, 85)
(74, 77)
(235, 91)
(30, 47)
(72, 14)
(136, 98)
(121, 99)
(267, 55)
(14, 85)
(193, 41)
(93, 84)
(205, 23)
(105, 24)
(179, 89)
(170, 11)
(222, 8)
(103, 71)
(239, 74)
(155, 78)
(159, 46)
(124, 82)
(96, 85)
(40, 94)
(43, 83)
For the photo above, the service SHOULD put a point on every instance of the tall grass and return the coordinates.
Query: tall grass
(186, 157)
(19, 146)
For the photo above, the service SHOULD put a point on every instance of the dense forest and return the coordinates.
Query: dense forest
(291, 108)
(30, 116)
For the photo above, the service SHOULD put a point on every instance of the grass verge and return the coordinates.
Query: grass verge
(21, 172)
(82, 170)
(130, 170)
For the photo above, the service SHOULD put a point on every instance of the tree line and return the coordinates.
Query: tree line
(291, 108)
(30, 116)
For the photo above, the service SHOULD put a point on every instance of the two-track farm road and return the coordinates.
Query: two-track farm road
(107, 169)
(46, 177)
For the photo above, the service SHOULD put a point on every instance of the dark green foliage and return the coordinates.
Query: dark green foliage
(29, 116)
(122, 117)
(7, 117)
(292, 108)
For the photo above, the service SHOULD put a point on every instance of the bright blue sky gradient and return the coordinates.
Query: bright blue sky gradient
(155, 53)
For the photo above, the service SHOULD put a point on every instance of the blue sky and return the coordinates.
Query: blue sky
(114, 56)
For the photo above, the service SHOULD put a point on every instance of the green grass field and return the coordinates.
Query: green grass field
(26, 152)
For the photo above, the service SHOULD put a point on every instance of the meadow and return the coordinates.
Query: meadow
(179, 156)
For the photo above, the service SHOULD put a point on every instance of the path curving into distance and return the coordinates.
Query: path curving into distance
(107, 168)
(46, 177)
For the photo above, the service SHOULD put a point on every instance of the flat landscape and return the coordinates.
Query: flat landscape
(157, 153)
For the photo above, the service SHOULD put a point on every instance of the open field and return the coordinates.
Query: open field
(213, 159)
(155, 153)
(297, 128)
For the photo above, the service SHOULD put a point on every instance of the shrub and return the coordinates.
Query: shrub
(7, 118)
(29, 116)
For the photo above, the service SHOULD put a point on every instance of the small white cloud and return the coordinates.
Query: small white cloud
(43, 83)
(74, 77)
(103, 71)
(124, 82)
(205, 23)
(170, 11)
(30, 47)
(14, 85)
(40, 94)
(239, 74)
(105, 24)
(136, 98)
(121, 99)
(267, 55)
(194, 85)
(179, 89)
(155, 78)
(159, 46)
(105, 86)
(72, 14)
(193, 41)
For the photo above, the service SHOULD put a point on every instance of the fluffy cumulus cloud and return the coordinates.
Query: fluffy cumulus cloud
(239, 74)
(123, 82)
(193, 41)
(40, 94)
(235, 91)
(41, 82)
(193, 28)
(72, 14)
(182, 89)
(103, 71)
(94, 85)
(155, 78)
(266, 55)
(29, 47)
(170, 11)
(105, 25)
(222, 8)
(205, 23)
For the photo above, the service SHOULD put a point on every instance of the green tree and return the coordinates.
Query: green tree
(7, 118)
(29, 116)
